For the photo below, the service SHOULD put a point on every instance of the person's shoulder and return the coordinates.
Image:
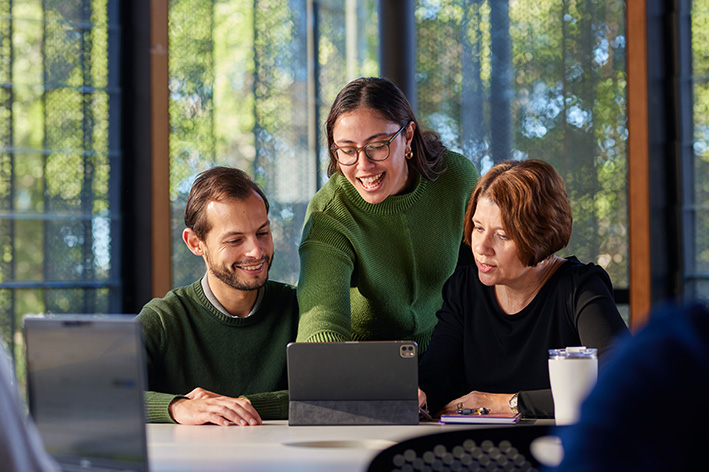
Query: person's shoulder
(687, 324)
(459, 162)
(328, 195)
(459, 168)
(674, 345)
(574, 266)
(457, 159)
(330, 215)
(463, 288)
(576, 272)
(172, 301)
(331, 206)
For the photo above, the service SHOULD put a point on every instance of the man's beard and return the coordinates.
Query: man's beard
(230, 277)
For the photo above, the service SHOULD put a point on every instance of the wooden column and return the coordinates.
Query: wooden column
(638, 167)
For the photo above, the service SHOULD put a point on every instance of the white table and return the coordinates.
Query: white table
(274, 446)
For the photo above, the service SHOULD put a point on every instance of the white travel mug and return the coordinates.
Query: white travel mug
(572, 372)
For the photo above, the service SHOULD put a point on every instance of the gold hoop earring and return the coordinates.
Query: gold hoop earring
(409, 154)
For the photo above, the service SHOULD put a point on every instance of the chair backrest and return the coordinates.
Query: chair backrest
(497, 448)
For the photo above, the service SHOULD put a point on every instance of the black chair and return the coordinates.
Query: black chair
(503, 448)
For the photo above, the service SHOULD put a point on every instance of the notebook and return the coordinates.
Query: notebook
(85, 383)
(491, 418)
(373, 382)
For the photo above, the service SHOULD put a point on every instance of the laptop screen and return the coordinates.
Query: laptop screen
(85, 383)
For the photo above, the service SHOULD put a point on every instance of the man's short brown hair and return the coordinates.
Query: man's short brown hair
(217, 185)
(535, 209)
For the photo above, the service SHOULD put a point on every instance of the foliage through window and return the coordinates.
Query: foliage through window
(60, 156)
(544, 80)
(251, 86)
(696, 211)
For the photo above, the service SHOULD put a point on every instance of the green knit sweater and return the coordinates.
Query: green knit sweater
(375, 272)
(189, 344)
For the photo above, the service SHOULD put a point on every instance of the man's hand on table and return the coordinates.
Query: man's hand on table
(202, 406)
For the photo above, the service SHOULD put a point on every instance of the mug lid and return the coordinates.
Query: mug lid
(577, 352)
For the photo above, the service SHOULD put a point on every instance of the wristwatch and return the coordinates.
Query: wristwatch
(513, 403)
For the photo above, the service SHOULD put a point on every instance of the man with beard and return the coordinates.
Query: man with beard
(216, 349)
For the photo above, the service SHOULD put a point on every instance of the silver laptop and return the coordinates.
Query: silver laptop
(374, 382)
(85, 384)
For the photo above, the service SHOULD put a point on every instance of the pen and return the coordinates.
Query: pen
(473, 411)
(425, 414)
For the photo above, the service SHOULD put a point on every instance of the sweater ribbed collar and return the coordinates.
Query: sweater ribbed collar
(391, 205)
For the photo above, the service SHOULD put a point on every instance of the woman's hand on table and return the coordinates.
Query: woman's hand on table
(495, 402)
(202, 406)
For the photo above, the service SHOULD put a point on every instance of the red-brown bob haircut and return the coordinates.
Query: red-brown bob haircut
(535, 209)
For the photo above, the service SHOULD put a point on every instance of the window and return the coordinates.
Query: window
(60, 160)
(695, 73)
(250, 86)
(543, 80)
(252, 89)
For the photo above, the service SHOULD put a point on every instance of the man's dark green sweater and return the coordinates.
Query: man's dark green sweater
(190, 343)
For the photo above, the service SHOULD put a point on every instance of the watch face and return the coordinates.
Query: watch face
(513, 403)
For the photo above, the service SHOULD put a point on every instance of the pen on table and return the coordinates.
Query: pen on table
(473, 411)
(425, 414)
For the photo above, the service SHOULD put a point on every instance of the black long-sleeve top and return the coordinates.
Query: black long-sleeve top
(476, 346)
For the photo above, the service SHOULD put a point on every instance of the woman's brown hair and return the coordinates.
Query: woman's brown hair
(536, 213)
(383, 96)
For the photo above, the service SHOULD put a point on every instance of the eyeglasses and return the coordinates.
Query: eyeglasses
(376, 151)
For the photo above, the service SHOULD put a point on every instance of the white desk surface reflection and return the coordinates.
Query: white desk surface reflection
(275, 446)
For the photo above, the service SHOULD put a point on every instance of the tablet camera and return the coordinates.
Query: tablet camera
(407, 350)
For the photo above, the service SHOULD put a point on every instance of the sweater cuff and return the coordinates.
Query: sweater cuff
(157, 407)
(326, 337)
(536, 403)
(270, 405)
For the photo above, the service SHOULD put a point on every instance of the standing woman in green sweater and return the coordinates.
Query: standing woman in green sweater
(384, 233)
